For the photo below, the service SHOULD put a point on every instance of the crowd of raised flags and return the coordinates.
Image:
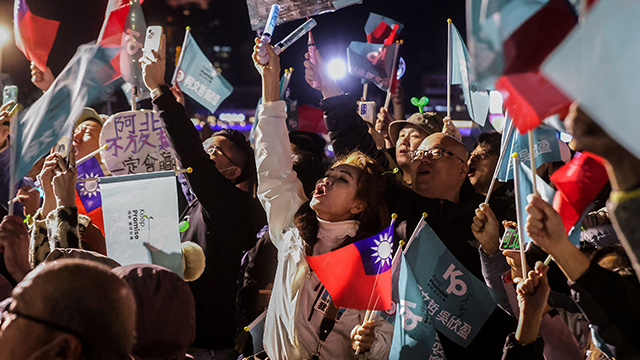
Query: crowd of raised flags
(544, 55)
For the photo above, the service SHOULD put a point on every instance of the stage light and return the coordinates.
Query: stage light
(5, 35)
(337, 68)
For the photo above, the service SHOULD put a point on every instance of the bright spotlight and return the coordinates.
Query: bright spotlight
(336, 68)
(5, 35)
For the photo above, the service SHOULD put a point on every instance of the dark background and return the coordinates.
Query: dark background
(222, 29)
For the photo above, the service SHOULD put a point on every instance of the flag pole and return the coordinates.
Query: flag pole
(449, 24)
(179, 62)
(134, 94)
(365, 90)
(503, 152)
(393, 74)
(13, 130)
(532, 161)
(519, 215)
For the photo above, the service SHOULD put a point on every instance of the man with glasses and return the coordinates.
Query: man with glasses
(441, 190)
(224, 219)
(68, 309)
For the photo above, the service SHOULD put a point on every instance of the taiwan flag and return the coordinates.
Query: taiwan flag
(88, 198)
(34, 35)
(358, 276)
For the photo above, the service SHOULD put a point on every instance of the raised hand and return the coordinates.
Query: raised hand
(14, 244)
(451, 129)
(64, 183)
(270, 73)
(486, 229)
(317, 77)
(41, 79)
(153, 69)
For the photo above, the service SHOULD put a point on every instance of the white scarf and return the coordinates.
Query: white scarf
(332, 233)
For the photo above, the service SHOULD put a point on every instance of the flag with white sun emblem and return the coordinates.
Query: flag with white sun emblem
(88, 197)
(358, 276)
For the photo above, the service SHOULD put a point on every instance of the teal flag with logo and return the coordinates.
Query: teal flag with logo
(458, 302)
(414, 332)
(198, 78)
(546, 148)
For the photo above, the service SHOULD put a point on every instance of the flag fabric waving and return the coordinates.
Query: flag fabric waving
(198, 78)
(523, 186)
(459, 302)
(592, 65)
(546, 148)
(53, 115)
(381, 29)
(373, 62)
(88, 197)
(516, 37)
(131, 45)
(463, 73)
(34, 35)
(578, 183)
(414, 332)
(113, 27)
(358, 276)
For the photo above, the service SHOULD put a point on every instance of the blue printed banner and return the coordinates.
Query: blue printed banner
(373, 62)
(198, 78)
(457, 301)
(414, 334)
(546, 148)
(138, 222)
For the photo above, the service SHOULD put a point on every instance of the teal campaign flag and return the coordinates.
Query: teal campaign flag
(373, 62)
(198, 78)
(546, 148)
(41, 125)
(414, 332)
(256, 329)
(595, 66)
(458, 302)
(524, 187)
(476, 99)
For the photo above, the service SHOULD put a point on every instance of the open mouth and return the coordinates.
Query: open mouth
(321, 190)
(424, 171)
(472, 172)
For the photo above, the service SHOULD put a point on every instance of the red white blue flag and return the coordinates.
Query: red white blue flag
(358, 276)
(34, 35)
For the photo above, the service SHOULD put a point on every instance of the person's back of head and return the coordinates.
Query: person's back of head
(166, 314)
(73, 306)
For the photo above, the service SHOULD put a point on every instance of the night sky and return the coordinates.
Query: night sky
(225, 23)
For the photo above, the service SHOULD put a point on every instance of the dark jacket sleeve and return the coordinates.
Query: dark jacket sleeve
(610, 303)
(210, 187)
(513, 351)
(347, 130)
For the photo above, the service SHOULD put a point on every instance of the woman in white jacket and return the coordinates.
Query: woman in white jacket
(346, 206)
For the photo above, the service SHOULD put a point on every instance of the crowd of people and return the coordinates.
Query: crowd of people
(257, 210)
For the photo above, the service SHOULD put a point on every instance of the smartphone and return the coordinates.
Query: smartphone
(152, 40)
(62, 148)
(510, 240)
(10, 93)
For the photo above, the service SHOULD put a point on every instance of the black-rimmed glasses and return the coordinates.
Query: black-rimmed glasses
(433, 154)
(217, 148)
(36, 320)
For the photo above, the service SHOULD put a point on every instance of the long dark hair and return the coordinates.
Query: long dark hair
(370, 190)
